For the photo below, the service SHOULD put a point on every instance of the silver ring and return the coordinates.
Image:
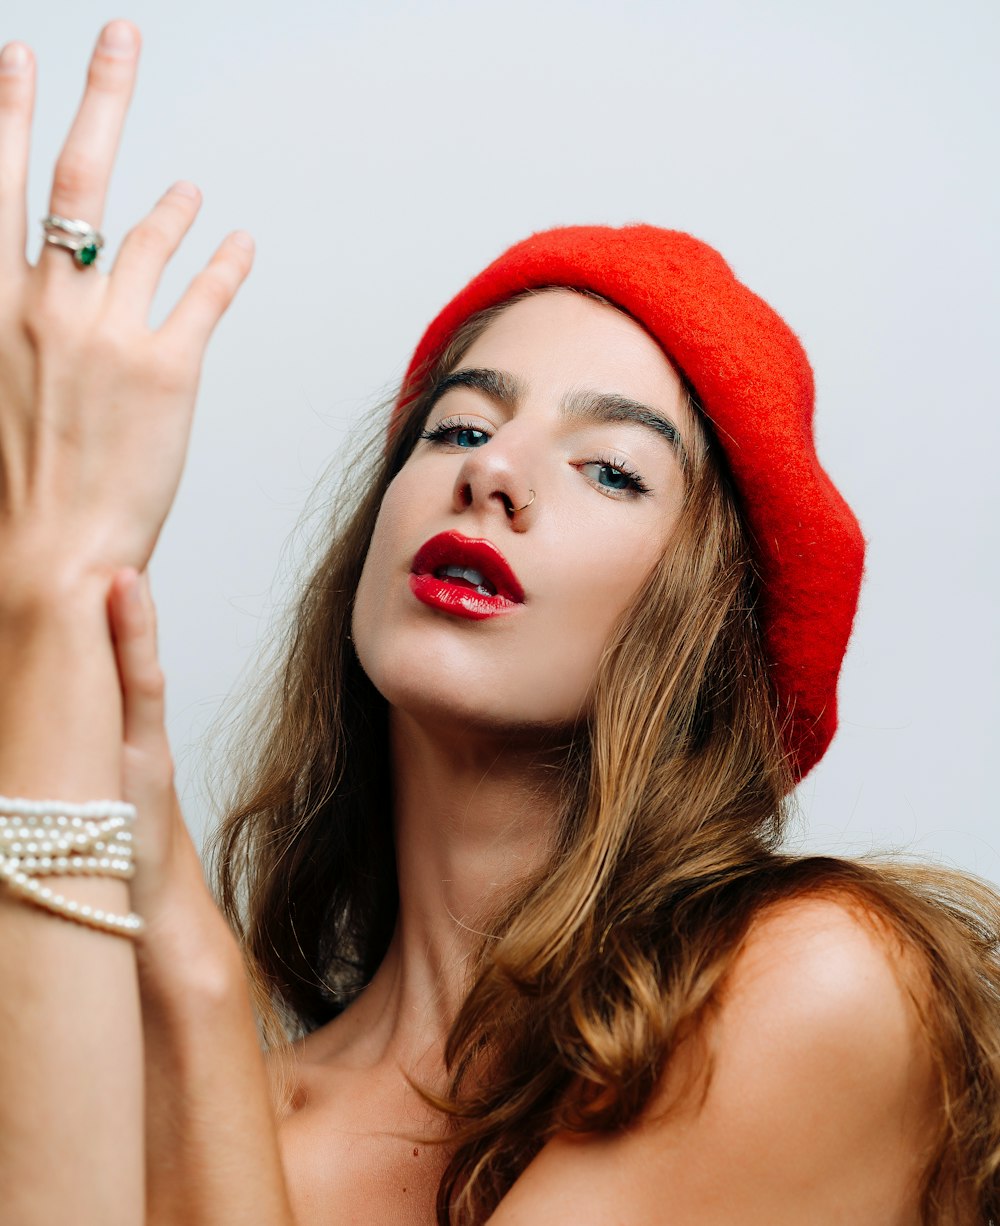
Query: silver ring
(74, 235)
(527, 504)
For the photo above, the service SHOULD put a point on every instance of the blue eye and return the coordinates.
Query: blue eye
(459, 434)
(616, 479)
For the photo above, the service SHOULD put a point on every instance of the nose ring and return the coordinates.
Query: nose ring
(527, 504)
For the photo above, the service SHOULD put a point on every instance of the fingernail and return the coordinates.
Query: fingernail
(242, 239)
(14, 58)
(184, 188)
(118, 38)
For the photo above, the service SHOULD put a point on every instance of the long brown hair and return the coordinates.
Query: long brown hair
(668, 844)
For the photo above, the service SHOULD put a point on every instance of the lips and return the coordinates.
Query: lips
(467, 577)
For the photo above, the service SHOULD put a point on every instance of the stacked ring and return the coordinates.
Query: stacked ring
(74, 235)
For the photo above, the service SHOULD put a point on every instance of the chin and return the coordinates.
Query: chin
(438, 689)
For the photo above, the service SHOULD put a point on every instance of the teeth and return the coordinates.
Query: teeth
(478, 581)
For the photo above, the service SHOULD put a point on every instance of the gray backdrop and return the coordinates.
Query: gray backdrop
(842, 156)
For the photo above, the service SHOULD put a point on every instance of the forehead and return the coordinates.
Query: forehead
(556, 340)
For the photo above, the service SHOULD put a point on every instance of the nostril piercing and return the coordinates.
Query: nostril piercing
(527, 504)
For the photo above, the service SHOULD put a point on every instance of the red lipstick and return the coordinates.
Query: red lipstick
(466, 577)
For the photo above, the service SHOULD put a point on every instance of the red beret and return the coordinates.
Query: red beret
(755, 384)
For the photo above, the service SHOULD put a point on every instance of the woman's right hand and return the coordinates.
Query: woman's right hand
(186, 936)
(95, 406)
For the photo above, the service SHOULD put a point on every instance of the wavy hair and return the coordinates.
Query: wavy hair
(668, 843)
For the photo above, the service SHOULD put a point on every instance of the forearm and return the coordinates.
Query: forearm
(71, 1079)
(212, 1149)
(95, 416)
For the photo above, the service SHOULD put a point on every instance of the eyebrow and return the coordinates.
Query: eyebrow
(506, 390)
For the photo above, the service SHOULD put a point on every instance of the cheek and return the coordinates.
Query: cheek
(585, 597)
(381, 561)
(603, 565)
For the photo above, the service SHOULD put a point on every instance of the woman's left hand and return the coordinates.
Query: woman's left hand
(212, 1149)
(186, 933)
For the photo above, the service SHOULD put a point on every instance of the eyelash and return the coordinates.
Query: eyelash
(455, 425)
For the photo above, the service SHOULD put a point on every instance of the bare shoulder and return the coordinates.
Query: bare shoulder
(820, 1105)
(819, 974)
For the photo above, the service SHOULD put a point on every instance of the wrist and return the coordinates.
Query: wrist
(69, 595)
(60, 704)
(187, 951)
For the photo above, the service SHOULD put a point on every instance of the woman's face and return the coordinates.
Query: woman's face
(564, 397)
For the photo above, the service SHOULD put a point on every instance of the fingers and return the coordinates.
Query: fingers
(188, 327)
(147, 248)
(80, 183)
(133, 623)
(147, 763)
(17, 100)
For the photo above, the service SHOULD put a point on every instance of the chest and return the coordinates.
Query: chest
(355, 1151)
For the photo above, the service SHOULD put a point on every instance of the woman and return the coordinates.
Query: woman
(505, 852)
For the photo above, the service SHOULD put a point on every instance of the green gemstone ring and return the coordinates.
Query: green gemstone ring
(75, 236)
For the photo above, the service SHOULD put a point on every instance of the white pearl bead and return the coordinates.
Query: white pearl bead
(31, 829)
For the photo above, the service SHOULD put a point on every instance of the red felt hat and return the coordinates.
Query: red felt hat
(755, 384)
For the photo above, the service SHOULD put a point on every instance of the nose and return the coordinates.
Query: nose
(494, 477)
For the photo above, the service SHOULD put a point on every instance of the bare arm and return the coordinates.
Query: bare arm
(212, 1156)
(70, 1042)
(212, 1148)
(95, 412)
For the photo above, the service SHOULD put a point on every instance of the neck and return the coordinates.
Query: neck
(473, 817)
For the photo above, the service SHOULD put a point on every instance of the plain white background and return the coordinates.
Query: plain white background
(841, 154)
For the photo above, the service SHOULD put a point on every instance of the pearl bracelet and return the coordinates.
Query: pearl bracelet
(53, 836)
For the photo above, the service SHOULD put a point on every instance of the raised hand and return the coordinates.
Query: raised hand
(95, 407)
(186, 936)
(95, 414)
(212, 1152)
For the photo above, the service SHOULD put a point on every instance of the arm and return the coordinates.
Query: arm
(821, 1108)
(95, 413)
(70, 1041)
(212, 1156)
